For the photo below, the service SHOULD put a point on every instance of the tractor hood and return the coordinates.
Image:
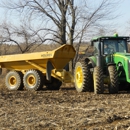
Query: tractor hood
(118, 58)
(125, 56)
(122, 60)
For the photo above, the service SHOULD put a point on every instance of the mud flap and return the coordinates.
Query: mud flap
(49, 68)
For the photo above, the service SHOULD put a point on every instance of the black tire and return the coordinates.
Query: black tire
(123, 86)
(98, 80)
(54, 84)
(14, 80)
(113, 74)
(33, 80)
(83, 77)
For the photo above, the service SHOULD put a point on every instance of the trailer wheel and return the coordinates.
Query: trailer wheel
(33, 80)
(83, 77)
(14, 80)
(54, 84)
(98, 80)
(113, 86)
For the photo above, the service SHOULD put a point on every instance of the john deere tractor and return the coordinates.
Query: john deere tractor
(108, 67)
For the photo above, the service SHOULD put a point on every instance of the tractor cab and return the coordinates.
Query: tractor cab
(109, 45)
(106, 46)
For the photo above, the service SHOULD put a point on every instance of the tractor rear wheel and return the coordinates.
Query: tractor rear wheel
(83, 77)
(113, 86)
(98, 80)
(14, 80)
(33, 80)
(54, 84)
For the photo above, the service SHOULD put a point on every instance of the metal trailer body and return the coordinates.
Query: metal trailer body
(50, 63)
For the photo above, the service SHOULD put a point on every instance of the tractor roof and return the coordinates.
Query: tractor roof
(115, 37)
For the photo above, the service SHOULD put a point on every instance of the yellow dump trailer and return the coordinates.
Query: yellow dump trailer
(33, 70)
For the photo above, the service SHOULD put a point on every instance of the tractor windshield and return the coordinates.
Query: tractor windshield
(112, 46)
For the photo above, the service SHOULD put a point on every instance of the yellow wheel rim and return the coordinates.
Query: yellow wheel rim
(12, 80)
(79, 77)
(31, 80)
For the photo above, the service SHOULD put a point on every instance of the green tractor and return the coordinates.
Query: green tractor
(108, 67)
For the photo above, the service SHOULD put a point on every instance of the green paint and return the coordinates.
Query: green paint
(120, 57)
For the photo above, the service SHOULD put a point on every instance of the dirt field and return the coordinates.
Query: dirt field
(63, 110)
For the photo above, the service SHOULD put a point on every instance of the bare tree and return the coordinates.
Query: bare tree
(55, 11)
(65, 21)
(24, 36)
(92, 20)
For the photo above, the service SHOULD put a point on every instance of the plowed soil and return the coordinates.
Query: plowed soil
(63, 110)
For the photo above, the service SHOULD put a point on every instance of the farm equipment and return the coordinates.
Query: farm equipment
(33, 70)
(108, 67)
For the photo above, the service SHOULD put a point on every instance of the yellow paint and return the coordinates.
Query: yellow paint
(58, 57)
(38, 60)
(79, 77)
(63, 75)
(12, 80)
(31, 80)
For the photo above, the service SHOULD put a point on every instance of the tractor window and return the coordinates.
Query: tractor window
(111, 46)
(95, 48)
(122, 46)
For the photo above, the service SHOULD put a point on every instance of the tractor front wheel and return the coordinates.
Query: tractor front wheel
(82, 77)
(98, 80)
(113, 74)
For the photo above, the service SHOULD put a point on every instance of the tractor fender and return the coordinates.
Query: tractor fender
(88, 59)
(111, 64)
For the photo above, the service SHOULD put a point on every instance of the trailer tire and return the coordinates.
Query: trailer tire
(98, 80)
(83, 76)
(14, 80)
(54, 84)
(33, 80)
(113, 86)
